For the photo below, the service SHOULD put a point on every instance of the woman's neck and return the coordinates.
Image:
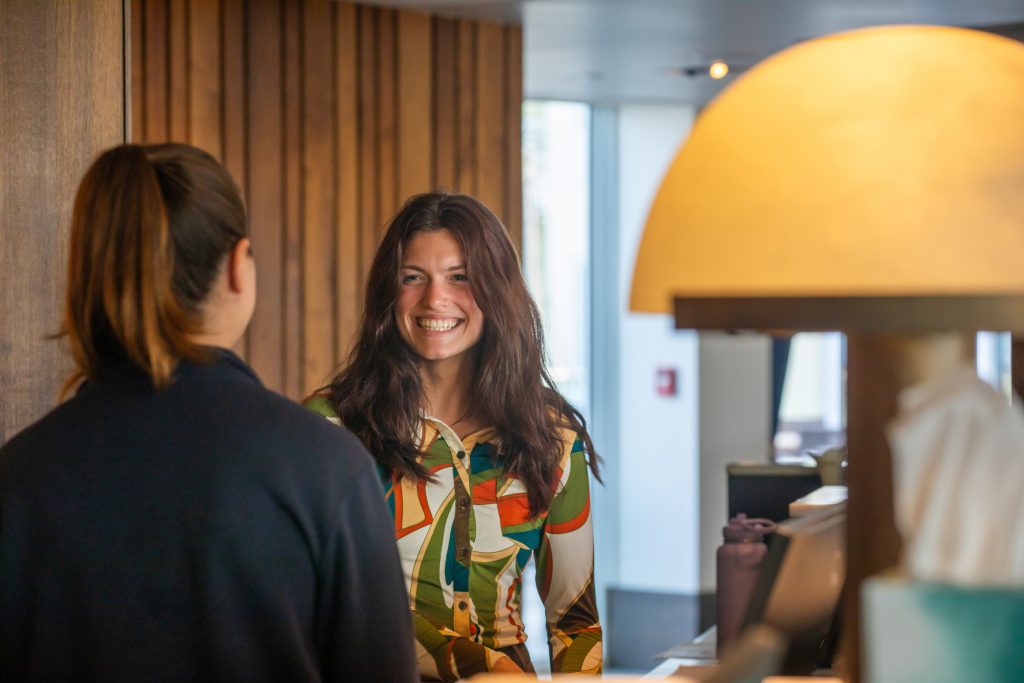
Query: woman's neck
(446, 392)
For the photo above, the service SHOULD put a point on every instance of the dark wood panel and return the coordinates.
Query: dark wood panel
(852, 314)
(415, 114)
(137, 20)
(348, 281)
(318, 248)
(445, 108)
(265, 172)
(90, 87)
(368, 149)
(292, 237)
(328, 115)
(156, 110)
(387, 187)
(205, 93)
(233, 121)
(513, 110)
(233, 148)
(62, 69)
(465, 93)
(177, 70)
(489, 116)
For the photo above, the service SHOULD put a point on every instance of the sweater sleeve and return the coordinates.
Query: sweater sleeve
(565, 572)
(364, 611)
(364, 624)
(442, 654)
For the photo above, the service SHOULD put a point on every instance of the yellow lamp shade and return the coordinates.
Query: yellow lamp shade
(880, 162)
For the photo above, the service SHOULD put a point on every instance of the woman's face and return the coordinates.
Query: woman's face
(436, 313)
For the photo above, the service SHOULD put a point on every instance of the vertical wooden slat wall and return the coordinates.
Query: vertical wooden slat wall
(328, 115)
(62, 102)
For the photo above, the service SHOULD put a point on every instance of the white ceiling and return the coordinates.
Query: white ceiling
(637, 50)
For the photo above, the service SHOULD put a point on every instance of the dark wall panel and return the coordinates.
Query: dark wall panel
(328, 115)
(62, 70)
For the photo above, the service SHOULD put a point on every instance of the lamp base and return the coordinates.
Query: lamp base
(879, 367)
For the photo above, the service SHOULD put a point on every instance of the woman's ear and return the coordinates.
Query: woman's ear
(241, 266)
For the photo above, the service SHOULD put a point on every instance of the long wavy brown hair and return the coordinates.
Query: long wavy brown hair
(378, 395)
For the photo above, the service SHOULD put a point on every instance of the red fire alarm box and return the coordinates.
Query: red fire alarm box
(665, 382)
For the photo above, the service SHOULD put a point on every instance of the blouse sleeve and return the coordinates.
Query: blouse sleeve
(565, 572)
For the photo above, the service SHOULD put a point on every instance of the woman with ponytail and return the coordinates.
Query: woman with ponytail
(485, 464)
(174, 520)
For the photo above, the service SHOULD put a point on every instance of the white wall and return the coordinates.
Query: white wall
(658, 436)
(673, 450)
(735, 407)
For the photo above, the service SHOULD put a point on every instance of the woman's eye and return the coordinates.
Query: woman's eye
(409, 279)
(460, 277)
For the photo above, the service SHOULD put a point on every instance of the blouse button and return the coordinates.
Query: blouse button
(464, 504)
(461, 454)
(462, 604)
(463, 554)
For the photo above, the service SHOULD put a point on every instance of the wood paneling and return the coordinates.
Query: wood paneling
(349, 274)
(318, 167)
(291, 293)
(513, 110)
(415, 84)
(62, 70)
(156, 69)
(137, 68)
(489, 116)
(445, 109)
(329, 115)
(465, 107)
(385, 83)
(368, 148)
(178, 53)
(265, 170)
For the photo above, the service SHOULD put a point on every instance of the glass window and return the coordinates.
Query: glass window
(993, 360)
(556, 245)
(812, 413)
(556, 229)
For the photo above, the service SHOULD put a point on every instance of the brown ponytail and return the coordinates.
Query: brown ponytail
(150, 229)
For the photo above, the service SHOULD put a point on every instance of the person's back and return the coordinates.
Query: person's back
(206, 530)
(200, 528)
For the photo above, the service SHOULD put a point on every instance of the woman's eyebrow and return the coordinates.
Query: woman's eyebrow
(421, 269)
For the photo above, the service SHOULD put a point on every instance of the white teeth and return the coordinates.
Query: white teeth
(437, 325)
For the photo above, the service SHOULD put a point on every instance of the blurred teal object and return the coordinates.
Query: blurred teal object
(915, 632)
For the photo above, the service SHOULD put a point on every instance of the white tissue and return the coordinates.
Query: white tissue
(958, 476)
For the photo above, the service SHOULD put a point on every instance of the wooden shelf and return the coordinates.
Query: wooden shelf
(853, 314)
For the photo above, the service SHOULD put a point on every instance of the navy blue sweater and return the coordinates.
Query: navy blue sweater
(211, 531)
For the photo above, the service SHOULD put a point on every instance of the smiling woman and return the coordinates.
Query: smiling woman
(436, 312)
(484, 463)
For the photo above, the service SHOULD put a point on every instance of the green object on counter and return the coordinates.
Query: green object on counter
(918, 631)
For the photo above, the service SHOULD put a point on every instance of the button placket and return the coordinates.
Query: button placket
(463, 504)
(463, 551)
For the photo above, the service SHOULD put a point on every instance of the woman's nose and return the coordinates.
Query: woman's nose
(437, 293)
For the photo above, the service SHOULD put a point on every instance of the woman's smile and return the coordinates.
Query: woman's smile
(438, 324)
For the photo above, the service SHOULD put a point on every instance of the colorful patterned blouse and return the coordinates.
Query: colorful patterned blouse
(464, 540)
